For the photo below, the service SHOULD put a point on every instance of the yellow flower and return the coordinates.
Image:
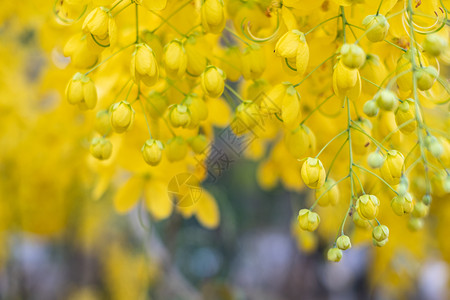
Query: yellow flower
(392, 168)
(246, 118)
(402, 204)
(406, 112)
(122, 116)
(180, 116)
(343, 242)
(155, 104)
(377, 27)
(81, 91)
(308, 220)
(213, 16)
(152, 151)
(426, 77)
(196, 59)
(360, 221)
(144, 65)
(213, 81)
(313, 173)
(434, 44)
(344, 78)
(97, 22)
(331, 196)
(380, 235)
(334, 254)
(299, 141)
(367, 206)
(289, 43)
(197, 109)
(103, 123)
(101, 148)
(290, 107)
(175, 59)
(253, 62)
(353, 56)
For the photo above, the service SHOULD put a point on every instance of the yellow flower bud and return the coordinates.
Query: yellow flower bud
(289, 43)
(308, 220)
(144, 65)
(196, 58)
(344, 78)
(380, 235)
(331, 197)
(180, 116)
(375, 160)
(102, 123)
(406, 112)
(97, 22)
(392, 169)
(197, 109)
(176, 149)
(386, 100)
(343, 242)
(81, 52)
(247, 114)
(359, 221)
(156, 104)
(122, 116)
(371, 108)
(353, 56)
(101, 148)
(175, 59)
(152, 152)
(334, 254)
(198, 143)
(367, 206)
(299, 142)
(415, 224)
(426, 77)
(420, 210)
(434, 146)
(232, 63)
(81, 91)
(360, 141)
(290, 107)
(213, 81)
(402, 204)
(377, 27)
(213, 16)
(253, 62)
(313, 173)
(434, 44)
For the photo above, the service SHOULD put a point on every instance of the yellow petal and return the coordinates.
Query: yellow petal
(157, 200)
(128, 194)
(207, 211)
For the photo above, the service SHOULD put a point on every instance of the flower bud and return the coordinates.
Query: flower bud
(420, 210)
(386, 100)
(359, 221)
(179, 116)
(213, 81)
(402, 204)
(101, 148)
(122, 116)
(313, 173)
(175, 59)
(377, 27)
(308, 220)
(290, 107)
(426, 77)
(198, 143)
(392, 169)
(334, 254)
(196, 56)
(213, 16)
(81, 91)
(380, 235)
(246, 117)
(434, 44)
(298, 142)
(367, 206)
(197, 109)
(289, 43)
(103, 123)
(375, 160)
(371, 108)
(176, 149)
(403, 186)
(155, 104)
(331, 197)
(253, 62)
(97, 22)
(343, 242)
(415, 224)
(144, 65)
(434, 146)
(426, 199)
(406, 112)
(344, 79)
(353, 56)
(152, 152)
(232, 63)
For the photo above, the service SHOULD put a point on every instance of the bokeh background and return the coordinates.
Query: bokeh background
(58, 242)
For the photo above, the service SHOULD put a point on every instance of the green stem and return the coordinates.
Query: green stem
(316, 108)
(233, 91)
(358, 128)
(381, 179)
(122, 9)
(396, 46)
(330, 141)
(334, 158)
(171, 15)
(321, 23)
(321, 195)
(236, 35)
(310, 73)
(108, 58)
